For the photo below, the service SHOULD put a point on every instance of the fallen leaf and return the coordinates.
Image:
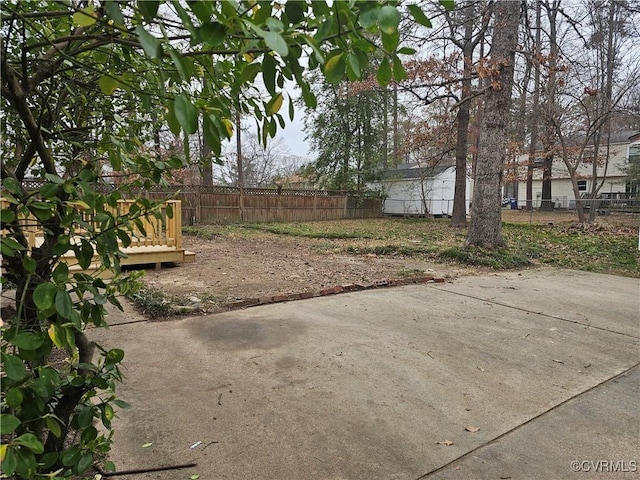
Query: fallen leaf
(448, 443)
(195, 477)
(472, 429)
(147, 445)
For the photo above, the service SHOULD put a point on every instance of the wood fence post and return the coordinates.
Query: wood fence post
(241, 204)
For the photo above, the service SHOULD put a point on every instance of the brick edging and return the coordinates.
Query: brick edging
(344, 288)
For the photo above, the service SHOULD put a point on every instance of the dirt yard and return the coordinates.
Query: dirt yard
(228, 269)
(235, 267)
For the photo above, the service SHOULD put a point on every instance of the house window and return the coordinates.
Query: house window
(582, 185)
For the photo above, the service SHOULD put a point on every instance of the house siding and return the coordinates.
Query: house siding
(561, 187)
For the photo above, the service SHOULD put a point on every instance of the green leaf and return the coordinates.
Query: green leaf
(13, 367)
(324, 29)
(150, 44)
(148, 8)
(85, 462)
(61, 273)
(7, 216)
(294, 11)
(147, 444)
(54, 426)
(121, 403)
(274, 105)
(85, 17)
(269, 73)
(274, 25)
(9, 246)
(42, 210)
(8, 423)
(85, 417)
(211, 134)
(84, 254)
(390, 42)
(108, 84)
(399, 72)
(113, 11)
(64, 305)
(30, 441)
(249, 72)
(276, 43)
(384, 74)
(291, 109)
(309, 97)
(407, 51)
(172, 121)
(334, 68)
(354, 65)
(389, 19)
(369, 18)
(27, 340)
(29, 264)
(115, 355)
(48, 190)
(44, 295)
(448, 4)
(14, 398)
(213, 33)
(26, 463)
(57, 335)
(419, 16)
(186, 114)
(203, 10)
(89, 434)
(12, 185)
(62, 245)
(182, 65)
(10, 462)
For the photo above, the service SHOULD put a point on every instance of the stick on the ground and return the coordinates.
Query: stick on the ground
(145, 470)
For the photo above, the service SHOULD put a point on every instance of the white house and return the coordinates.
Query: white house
(421, 191)
(622, 145)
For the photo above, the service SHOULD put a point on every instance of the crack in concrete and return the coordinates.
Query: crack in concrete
(532, 419)
(577, 322)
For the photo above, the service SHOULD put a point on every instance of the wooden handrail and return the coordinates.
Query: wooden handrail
(162, 231)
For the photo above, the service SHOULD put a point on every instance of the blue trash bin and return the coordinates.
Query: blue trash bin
(514, 203)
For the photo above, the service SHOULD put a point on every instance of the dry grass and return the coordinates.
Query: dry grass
(631, 220)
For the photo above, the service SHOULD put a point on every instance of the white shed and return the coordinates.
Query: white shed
(421, 191)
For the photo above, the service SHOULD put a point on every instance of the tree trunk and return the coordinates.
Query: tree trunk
(486, 223)
(207, 165)
(534, 118)
(552, 89)
(459, 214)
(396, 146)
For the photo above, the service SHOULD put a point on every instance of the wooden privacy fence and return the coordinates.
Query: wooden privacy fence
(208, 205)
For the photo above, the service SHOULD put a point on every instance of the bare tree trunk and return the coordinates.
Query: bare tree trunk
(459, 214)
(396, 146)
(533, 128)
(239, 160)
(486, 223)
(207, 165)
(385, 141)
(552, 89)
